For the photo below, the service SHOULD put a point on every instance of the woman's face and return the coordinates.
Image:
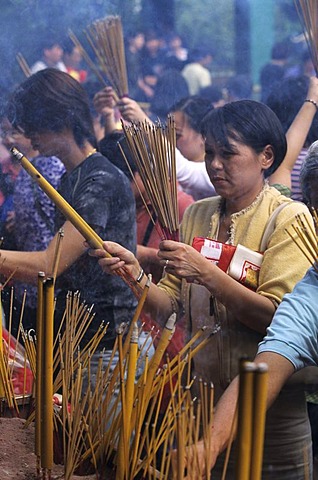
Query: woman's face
(189, 142)
(49, 143)
(237, 174)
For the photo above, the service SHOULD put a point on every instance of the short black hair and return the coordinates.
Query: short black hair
(109, 147)
(51, 100)
(280, 50)
(250, 123)
(212, 93)
(240, 86)
(195, 108)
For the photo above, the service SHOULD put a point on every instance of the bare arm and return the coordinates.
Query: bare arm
(158, 303)
(279, 370)
(296, 136)
(104, 104)
(29, 264)
(148, 256)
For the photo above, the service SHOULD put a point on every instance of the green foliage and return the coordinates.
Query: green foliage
(209, 22)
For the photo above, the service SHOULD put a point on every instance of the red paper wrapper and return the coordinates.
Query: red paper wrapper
(239, 262)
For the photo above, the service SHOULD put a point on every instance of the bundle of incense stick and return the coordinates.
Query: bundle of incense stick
(304, 235)
(16, 378)
(153, 147)
(106, 39)
(308, 14)
(114, 422)
(251, 415)
(111, 415)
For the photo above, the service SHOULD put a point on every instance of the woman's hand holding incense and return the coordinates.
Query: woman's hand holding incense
(120, 257)
(104, 101)
(131, 111)
(158, 303)
(184, 261)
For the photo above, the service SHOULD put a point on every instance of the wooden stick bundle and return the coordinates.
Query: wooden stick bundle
(308, 14)
(153, 150)
(251, 415)
(304, 235)
(106, 39)
(94, 426)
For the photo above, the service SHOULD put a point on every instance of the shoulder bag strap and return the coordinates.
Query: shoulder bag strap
(270, 225)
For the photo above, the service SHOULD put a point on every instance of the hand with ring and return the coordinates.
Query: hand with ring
(184, 261)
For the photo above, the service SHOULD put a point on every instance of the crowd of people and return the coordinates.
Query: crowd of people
(240, 163)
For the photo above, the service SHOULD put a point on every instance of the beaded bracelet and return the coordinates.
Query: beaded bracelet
(140, 275)
(312, 101)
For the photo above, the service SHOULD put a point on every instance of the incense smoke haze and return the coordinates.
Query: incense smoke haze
(223, 26)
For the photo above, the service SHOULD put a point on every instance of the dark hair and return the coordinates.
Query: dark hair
(152, 34)
(280, 50)
(309, 172)
(240, 86)
(51, 100)
(250, 123)
(212, 93)
(195, 108)
(286, 100)
(198, 53)
(170, 88)
(109, 147)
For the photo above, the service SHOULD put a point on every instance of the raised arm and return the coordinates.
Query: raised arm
(279, 370)
(104, 104)
(296, 136)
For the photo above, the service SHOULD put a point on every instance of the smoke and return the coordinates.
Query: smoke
(24, 23)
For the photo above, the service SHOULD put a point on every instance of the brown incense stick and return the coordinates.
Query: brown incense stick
(153, 150)
(23, 65)
(308, 14)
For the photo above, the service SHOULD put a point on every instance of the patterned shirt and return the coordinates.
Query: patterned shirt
(296, 187)
(102, 195)
(34, 215)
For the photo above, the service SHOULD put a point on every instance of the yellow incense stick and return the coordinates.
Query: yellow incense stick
(245, 416)
(88, 233)
(47, 370)
(39, 360)
(259, 415)
(1, 347)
